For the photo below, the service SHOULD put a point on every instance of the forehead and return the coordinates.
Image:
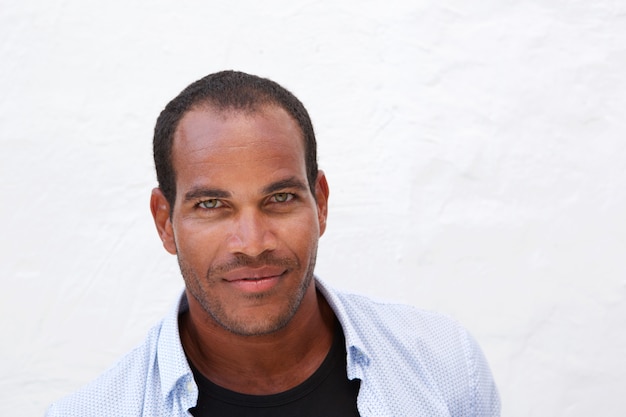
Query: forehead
(208, 139)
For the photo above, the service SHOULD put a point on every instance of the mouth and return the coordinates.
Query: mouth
(254, 280)
(254, 274)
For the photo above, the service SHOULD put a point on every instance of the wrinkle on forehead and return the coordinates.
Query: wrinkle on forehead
(221, 155)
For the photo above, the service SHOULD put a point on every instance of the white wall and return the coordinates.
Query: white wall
(475, 152)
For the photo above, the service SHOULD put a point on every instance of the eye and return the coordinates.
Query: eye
(282, 197)
(210, 204)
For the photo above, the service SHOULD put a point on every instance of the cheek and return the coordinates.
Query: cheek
(197, 245)
(302, 235)
(204, 244)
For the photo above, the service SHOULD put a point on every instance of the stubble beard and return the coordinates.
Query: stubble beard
(201, 290)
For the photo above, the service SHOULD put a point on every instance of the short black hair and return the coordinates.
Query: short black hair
(227, 90)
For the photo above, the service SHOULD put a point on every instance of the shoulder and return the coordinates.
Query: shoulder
(141, 381)
(394, 322)
(411, 350)
(118, 390)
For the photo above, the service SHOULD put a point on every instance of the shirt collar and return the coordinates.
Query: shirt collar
(173, 367)
(358, 355)
(172, 362)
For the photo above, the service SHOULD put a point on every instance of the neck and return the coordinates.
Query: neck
(264, 364)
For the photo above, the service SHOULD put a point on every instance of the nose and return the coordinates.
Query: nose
(251, 234)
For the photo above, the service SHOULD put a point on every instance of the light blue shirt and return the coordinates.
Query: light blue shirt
(410, 362)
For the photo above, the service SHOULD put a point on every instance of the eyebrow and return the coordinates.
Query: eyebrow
(292, 182)
(198, 193)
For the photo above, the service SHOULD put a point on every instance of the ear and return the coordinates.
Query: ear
(321, 197)
(160, 209)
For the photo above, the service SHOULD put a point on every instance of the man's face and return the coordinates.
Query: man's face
(245, 225)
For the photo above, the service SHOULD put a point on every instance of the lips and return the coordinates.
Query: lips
(254, 274)
(254, 280)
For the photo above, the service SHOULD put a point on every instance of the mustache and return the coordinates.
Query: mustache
(244, 261)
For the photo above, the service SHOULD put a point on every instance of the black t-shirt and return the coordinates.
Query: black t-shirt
(328, 392)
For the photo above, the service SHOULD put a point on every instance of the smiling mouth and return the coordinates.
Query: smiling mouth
(254, 274)
(256, 279)
(252, 285)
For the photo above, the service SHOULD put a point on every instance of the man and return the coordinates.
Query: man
(242, 204)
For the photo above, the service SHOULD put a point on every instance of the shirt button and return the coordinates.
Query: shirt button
(359, 357)
(189, 386)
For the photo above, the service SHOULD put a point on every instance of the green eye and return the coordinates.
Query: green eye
(282, 197)
(210, 204)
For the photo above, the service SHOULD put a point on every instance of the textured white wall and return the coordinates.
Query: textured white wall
(475, 153)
